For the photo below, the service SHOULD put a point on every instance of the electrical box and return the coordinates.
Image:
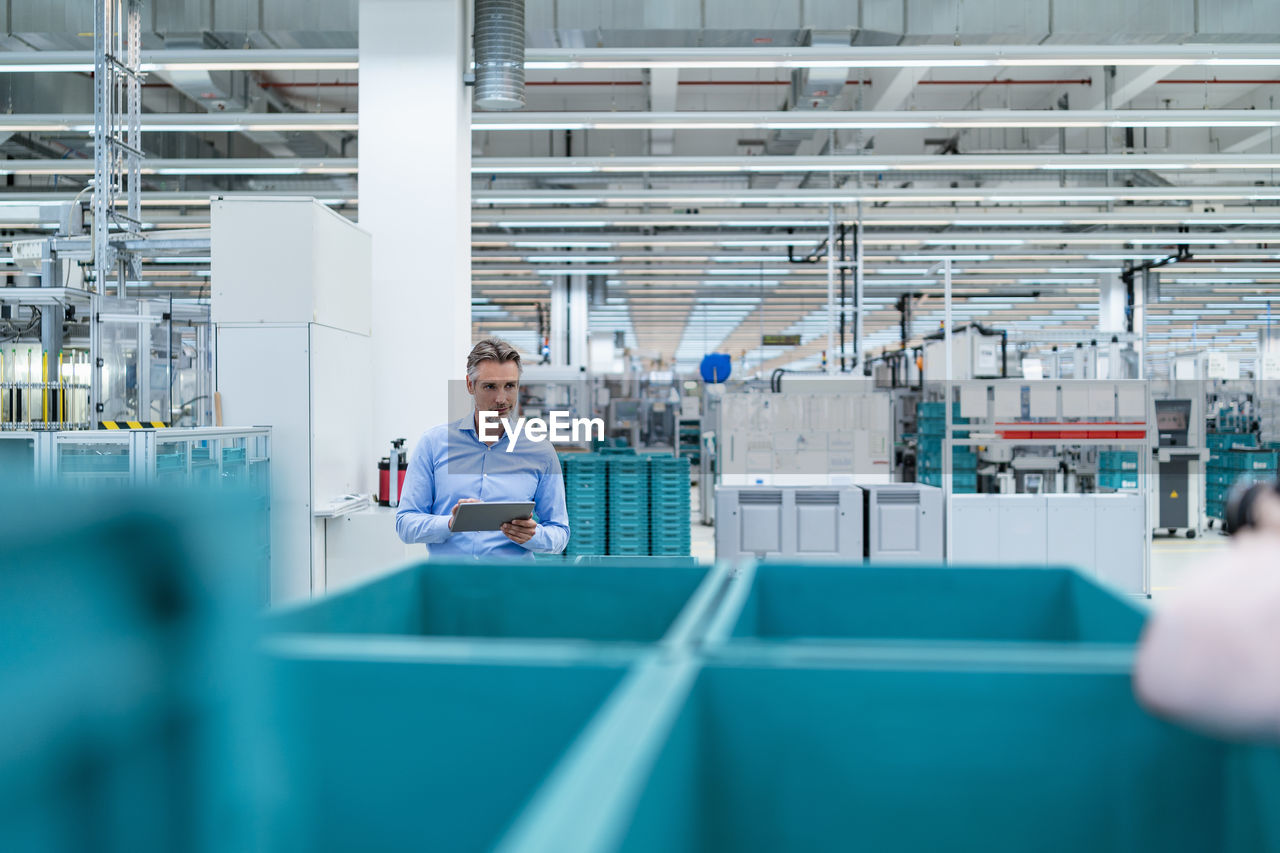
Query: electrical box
(973, 356)
(789, 521)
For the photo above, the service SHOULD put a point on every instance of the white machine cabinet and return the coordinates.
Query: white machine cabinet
(904, 523)
(789, 521)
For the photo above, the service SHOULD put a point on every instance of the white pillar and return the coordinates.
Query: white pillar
(579, 311)
(559, 324)
(1111, 300)
(415, 199)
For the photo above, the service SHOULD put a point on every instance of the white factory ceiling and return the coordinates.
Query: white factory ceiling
(692, 155)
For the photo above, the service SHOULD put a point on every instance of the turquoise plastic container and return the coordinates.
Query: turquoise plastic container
(764, 758)
(400, 755)
(618, 601)
(841, 603)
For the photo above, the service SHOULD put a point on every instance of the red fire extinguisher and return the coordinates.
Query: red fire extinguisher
(391, 471)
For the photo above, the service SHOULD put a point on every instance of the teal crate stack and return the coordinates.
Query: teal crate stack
(1234, 457)
(669, 532)
(627, 512)
(931, 428)
(585, 494)
(1118, 469)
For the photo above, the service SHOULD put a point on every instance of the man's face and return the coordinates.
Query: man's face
(495, 387)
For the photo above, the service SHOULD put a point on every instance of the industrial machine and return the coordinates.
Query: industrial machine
(1179, 481)
(789, 521)
(1099, 534)
(904, 522)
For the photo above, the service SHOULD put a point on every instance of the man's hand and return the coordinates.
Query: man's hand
(520, 530)
(453, 513)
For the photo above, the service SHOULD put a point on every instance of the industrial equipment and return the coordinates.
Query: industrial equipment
(1179, 480)
(789, 521)
(1100, 534)
(794, 438)
(904, 522)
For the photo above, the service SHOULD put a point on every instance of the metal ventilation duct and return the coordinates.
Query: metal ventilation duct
(499, 47)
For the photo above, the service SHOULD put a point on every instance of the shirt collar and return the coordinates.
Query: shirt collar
(467, 424)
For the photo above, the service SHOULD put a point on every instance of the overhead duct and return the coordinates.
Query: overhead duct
(499, 48)
(812, 89)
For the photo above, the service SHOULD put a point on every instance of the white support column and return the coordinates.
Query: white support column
(412, 98)
(560, 321)
(1111, 304)
(579, 307)
(1111, 299)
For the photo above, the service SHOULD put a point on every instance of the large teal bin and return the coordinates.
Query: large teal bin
(413, 755)
(831, 602)
(544, 600)
(768, 759)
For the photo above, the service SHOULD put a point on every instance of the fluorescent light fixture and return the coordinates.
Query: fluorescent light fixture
(799, 241)
(972, 241)
(902, 56)
(556, 244)
(539, 223)
(564, 259)
(938, 257)
(871, 120)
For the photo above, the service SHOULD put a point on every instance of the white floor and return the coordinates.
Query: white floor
(1173, 560)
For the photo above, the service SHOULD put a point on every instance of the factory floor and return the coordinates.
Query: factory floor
(1174, 561)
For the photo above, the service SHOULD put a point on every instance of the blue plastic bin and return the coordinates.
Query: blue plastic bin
(916, 759)
(404, 755)
(614, 603)
(817, 602)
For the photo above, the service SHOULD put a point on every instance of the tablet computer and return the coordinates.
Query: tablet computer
(489, 516)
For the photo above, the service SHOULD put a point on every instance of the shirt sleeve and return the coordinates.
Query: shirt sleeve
(553, 517)
(415, 523)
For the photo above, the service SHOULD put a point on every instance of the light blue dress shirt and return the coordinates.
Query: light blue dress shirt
(450, 463)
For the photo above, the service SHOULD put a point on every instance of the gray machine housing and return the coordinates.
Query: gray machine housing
(905, 522)
(807, 522)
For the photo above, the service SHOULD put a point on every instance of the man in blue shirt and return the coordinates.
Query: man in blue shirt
(451, 465)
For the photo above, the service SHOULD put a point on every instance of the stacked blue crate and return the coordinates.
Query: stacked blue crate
(931, 428)
(1118, 469)
(586, 501)
(628, 504)
(1227, 465)
(669, 533)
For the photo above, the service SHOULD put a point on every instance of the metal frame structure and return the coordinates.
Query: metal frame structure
(142, 447)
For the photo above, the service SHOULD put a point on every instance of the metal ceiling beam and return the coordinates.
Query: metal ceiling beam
(691, 120)
(81, 61)
(547, 221)
(847, 196)
(185, 122)
(870, 120)
(558, 59)
(195, 166)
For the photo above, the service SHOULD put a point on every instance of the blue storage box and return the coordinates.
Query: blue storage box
(385, 754)
(824, 602)
(505, 600)
(767, 756)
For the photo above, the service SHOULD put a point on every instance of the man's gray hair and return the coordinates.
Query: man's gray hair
(491, 349)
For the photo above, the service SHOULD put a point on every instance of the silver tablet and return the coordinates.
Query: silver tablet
(489, 516)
